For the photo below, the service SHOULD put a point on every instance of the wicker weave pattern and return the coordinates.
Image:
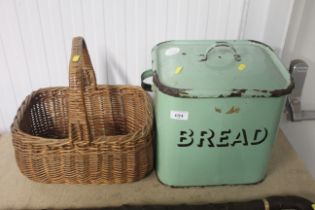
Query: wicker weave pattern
(85, 133)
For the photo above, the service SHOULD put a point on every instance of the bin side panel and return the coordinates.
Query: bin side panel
(215, 141)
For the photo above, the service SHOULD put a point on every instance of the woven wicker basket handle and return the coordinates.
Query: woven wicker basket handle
(81, 79)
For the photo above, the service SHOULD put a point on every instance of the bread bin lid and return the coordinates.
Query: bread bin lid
(208, 68)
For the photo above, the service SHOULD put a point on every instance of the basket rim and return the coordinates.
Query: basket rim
(16, 130)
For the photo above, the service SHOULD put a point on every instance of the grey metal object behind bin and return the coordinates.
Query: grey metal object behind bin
(298, 70)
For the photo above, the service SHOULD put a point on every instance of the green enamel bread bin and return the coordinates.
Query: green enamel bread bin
(217, 110)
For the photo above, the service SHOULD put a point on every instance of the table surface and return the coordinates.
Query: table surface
(286, 176)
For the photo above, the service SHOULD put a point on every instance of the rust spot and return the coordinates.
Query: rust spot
(177, 92)
(233, 110)
(235, 94)
(217, 109)
(277, 92)
(281, 92)
(259, 90)
(181, 92)
(239, 90)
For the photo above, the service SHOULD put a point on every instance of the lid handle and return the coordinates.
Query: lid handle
(236, 56)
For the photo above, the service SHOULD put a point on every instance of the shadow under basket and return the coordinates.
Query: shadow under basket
(85, 133)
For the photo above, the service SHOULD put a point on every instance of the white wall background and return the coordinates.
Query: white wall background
(300, 43)
(35, 36)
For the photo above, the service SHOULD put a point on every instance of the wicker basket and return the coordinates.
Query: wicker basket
(85, 133)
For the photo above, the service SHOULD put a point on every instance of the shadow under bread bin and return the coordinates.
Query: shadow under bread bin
(85, 133)
(217, 107)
